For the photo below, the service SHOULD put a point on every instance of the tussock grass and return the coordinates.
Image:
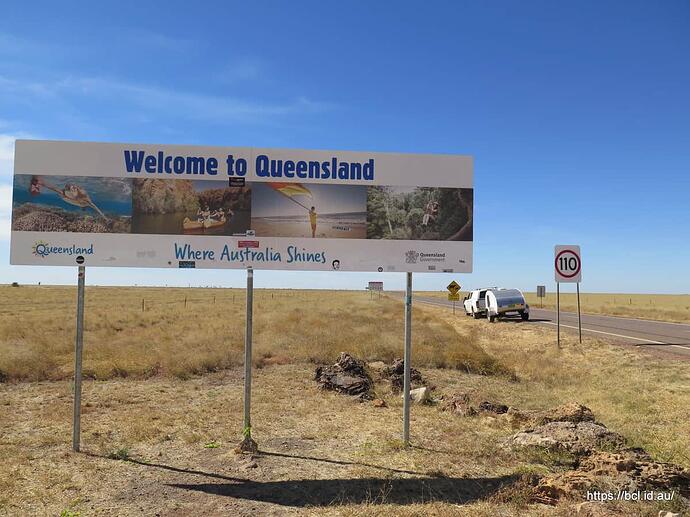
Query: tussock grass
(147, 332)
(661, 307)
(641, 396)
(161, 426)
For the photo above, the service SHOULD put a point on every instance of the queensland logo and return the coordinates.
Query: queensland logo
(43, 249)
(411, 256)
(40, 249)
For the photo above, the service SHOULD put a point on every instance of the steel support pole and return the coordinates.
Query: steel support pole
(579, 317)
(408, 359)
(558, 312)
(78, 347)
(247, 431)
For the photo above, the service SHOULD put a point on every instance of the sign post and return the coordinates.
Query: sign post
(568, 269)
(579, 317)
(558, 314)
(407, 359)
(248, 444)
(78, 347)
(453, 293)
(375, 286)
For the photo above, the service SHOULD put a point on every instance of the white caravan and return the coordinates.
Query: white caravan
(501, 302)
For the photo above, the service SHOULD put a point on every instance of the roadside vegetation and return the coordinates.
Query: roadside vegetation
(162, 417)
(660, 307)
(147, 332)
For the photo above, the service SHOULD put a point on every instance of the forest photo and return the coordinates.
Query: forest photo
(419, 213)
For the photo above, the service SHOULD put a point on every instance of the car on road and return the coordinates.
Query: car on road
(475, 302)
(503, 302)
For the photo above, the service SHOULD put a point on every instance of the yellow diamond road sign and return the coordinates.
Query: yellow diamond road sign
(453, 287)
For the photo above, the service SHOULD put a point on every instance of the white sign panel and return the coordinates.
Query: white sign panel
(172, 206)
(567, 263)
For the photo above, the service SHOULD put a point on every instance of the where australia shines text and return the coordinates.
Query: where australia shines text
(294, 254)
(265, 167)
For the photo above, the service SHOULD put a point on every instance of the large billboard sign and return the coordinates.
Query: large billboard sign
(108, 204)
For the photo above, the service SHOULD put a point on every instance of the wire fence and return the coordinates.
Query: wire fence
(100, 298)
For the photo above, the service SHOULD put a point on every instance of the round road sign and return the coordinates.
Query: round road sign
(568, 263)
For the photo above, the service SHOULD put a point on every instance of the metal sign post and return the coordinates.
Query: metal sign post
(579, 317)
(541, 292)
(248, 444)
(407, 358)
(558, 313)
(78, 347)
(453, 293)
(568, 268)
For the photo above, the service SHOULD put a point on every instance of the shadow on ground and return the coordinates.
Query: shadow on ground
(326, 492)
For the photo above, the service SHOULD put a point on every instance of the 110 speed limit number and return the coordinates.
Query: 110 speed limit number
(567, 263)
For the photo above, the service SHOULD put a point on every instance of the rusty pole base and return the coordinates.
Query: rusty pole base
(247, 445)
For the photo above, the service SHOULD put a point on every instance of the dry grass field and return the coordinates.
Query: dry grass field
(162, 409)
(147, 332)
(660, 307)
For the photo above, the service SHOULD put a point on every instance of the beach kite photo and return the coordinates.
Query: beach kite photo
(281, 209)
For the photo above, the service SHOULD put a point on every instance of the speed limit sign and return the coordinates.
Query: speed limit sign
(568, 263)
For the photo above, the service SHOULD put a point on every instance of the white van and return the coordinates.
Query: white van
(501, 302)
(475, 302)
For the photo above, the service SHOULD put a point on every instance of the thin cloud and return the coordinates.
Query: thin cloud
(187, 104)
(154, 100)
(5, 211)
(144, 39)
(7, 155)
(13, 87)
(6, 174)
(242, 70)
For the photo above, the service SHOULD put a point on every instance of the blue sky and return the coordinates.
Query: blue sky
(577, 114)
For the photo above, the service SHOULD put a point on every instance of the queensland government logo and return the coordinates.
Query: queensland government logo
(411, 256)
(43, 249)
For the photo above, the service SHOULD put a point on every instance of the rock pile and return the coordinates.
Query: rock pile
(602, 458)
(628, 470)
(348, 375)
(396, 372)
(465, 404)
(579, 438)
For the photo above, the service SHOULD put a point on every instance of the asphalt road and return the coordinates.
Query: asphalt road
(660, 336)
